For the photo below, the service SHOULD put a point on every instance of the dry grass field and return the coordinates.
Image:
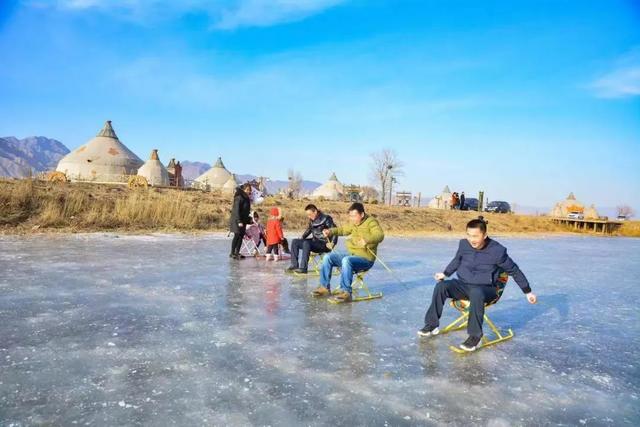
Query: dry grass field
(28, 206)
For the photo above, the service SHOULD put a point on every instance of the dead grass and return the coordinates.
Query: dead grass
(27, 206)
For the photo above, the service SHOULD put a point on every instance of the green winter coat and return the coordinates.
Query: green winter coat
(369, 230)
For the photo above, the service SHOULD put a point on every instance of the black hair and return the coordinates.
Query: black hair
(311, 207)
(256, 215)
(246, 185)
(357, 207)
(479, 223)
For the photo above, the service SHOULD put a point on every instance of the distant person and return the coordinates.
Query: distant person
(240, 218)
(365, 236)
(478, 263)
(454, 200)
(463, 199)
(275, 235)
(318, 243)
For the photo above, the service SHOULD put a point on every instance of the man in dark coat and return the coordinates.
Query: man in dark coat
(240, 218)
(318, 222)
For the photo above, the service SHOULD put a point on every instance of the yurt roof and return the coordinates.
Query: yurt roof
(103, 158)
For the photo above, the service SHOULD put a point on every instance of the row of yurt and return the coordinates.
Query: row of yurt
(105, 159)
(442, 200)
(572, 205)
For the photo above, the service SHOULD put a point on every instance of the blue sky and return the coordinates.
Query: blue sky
(525, 100)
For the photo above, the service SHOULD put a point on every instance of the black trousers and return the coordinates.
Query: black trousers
(275, 249)
(477, 295)
(236, 243)
(306, 246)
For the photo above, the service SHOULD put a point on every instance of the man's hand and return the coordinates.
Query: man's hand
(326, 232)
(439, 276)
(240, 225)
(329, 245)
(532, 298)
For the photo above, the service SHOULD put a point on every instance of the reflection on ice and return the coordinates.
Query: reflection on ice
(163, 329)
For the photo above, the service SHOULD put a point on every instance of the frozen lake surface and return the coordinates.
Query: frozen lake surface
(166, 330)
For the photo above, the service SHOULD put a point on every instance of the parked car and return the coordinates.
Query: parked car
(621, 218)
(470, 204)
(575, 215)
(498, 207)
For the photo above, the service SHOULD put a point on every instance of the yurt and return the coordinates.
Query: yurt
(591, 213)
(154, 171)
(103, 159)
(330, 190)
(442, 200)
(229, 187)
(213, 179)
(565, 207)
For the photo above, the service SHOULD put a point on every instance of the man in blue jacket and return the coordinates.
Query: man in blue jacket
(478, 263)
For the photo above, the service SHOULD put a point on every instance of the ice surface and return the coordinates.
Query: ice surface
(166, 330)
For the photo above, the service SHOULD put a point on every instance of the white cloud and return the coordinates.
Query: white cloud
(623, 81)
(223, 14)
(262, 13)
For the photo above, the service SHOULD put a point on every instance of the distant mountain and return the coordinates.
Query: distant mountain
(274, 186)
(20, 157)
(192, 170)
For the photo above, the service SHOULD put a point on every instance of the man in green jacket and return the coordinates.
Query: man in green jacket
(366, 234)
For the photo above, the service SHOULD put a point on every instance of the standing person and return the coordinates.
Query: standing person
(462, 201)
(318, 243)
(240, 218)
(362, 246)
(478, 263)
(275, 234)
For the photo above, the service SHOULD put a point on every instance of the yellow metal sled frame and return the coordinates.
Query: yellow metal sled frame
(315, 262)
(461, 322)
(360, 290)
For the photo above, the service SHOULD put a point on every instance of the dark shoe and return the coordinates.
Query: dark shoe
(290, 270)
(239, 256)
(300, 271)
(232, 255)
(471, 344)
(428, 331)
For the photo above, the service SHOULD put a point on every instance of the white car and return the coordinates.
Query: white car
(621, 218)
(575, 215)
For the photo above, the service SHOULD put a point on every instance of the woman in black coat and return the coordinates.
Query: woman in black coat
(240, 218)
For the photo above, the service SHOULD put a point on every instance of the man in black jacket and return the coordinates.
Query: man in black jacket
(318, 222)
(478, 263)
(240, 218)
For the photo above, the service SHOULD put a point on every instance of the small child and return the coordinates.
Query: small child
(255, 232)
(275, 235)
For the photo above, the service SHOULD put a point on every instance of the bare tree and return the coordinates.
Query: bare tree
(385, 168)
(295, 184)
(626, 211)
(369, 194)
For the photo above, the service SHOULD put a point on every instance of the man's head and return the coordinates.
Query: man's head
(312, 211)
(477, 232)
(356, 213)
